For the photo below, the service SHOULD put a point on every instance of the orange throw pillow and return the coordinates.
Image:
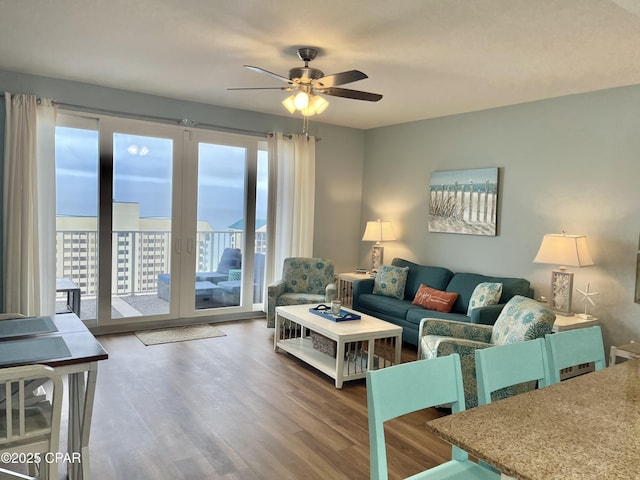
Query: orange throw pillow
(433, 299)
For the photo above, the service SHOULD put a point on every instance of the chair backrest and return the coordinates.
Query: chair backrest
(406, 388)
(231, 258)
(307, 274)
(29, 423)
(522, 318)
(575, 347)
(511, 364)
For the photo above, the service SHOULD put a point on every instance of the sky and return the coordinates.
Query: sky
(142, 174)
(464, 177)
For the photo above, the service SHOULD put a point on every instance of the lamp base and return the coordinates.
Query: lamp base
(585, 316)
(561, 288)
(376, 257)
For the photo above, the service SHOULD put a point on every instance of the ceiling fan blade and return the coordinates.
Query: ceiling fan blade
(267, 72)
(260, 88)
(341, 78)
(347, 93)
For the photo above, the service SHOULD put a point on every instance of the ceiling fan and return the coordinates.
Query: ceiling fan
(308, 83)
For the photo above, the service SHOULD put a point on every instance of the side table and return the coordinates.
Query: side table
(66, 285)
(571, 322)
(630, 350)
(345, 286)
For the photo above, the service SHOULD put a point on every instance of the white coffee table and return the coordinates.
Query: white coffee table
(359, 344)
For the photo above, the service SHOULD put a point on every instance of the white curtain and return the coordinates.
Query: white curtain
(292, 172)
(29, 206)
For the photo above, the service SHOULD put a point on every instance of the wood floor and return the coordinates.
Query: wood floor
(232, 408)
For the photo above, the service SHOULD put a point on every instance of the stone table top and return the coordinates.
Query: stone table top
(587, 427)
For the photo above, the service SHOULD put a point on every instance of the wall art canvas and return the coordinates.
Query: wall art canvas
(464, 201)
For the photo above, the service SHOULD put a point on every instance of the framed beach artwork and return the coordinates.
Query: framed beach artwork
(464, 201)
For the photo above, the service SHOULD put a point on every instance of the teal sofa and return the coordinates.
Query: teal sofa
(403, 313)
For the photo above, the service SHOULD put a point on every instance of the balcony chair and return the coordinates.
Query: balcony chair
(413, 386)
(521, 319)
(27, 426)
(304, 280)
(231, 259)
(207, 293)
(231, 287)
(574, 347)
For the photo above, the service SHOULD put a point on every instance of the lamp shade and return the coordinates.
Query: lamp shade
(378, 231)
(565, 250)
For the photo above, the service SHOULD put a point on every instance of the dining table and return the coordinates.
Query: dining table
(64, 343)
(587, 427)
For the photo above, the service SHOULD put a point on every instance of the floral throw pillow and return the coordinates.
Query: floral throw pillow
(390, 281)
(486, 293)
(433, 299)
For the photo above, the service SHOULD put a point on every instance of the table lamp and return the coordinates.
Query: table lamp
(378, 231)
(564, 250)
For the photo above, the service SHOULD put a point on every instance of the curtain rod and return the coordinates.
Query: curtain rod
(179, 121)
(182, 121)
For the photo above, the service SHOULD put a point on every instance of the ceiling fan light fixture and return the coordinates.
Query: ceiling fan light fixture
(319, 104)
(308, 112)
(289, 103)
(301, 100)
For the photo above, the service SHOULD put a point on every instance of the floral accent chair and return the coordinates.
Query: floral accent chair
(304, 280)
(521, 319)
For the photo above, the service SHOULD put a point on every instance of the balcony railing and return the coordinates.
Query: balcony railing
(138, 256)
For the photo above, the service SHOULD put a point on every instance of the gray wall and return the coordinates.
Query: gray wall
(339, 155)
(565, 164)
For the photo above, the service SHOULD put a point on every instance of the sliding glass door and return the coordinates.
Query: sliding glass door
(165, 232)
(228, 261)
(142, 226)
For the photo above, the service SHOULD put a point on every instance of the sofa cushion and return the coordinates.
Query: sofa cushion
(416, 314)
(387, 305)
(485, 293)
(464, 284)
(390, 281)
(434, 277)
(298, 299)
(433, 299)
(213, 277)
(512, 287)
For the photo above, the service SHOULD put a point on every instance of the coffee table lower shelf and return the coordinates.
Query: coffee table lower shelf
(357, 344)
(354, 366)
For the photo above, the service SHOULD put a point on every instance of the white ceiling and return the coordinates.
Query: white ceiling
(429, 58)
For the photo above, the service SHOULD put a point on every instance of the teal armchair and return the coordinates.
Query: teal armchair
(521, 319)
(304, 280)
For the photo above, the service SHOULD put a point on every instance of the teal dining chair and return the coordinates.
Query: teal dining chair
(574, 347)
(413, 386)
(511, 364)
